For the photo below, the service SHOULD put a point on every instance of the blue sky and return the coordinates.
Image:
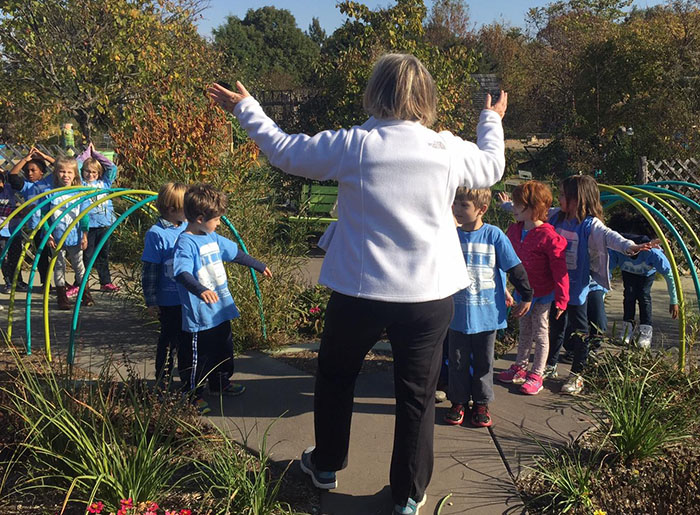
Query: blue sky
(511, 11)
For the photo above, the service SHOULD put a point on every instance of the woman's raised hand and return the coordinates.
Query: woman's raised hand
(225, 98)
(500, 106)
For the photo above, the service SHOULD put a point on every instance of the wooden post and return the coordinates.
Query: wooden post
(642, 170)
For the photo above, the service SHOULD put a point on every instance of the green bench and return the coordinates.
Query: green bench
(316, 205)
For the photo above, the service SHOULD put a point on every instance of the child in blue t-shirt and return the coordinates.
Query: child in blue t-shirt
(157, 280)
(99, 172)
(480, 309)
(207, 304)
(638, 273)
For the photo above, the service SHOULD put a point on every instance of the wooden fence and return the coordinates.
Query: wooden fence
(685, 170)
(11, 153)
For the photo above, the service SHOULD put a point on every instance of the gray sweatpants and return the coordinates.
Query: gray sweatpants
(473, 351)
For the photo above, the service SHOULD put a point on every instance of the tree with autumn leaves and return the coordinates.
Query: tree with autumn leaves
(90, 60)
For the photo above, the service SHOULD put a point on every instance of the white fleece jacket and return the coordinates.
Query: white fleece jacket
(395, 240)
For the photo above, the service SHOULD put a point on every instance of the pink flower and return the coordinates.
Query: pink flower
(127, 503)
(96, 507)
(185, 512)
(315, 310)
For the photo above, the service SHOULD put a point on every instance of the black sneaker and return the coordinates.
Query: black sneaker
(323, 480)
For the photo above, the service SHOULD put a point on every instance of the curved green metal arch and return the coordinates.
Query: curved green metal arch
(59, 246)
(674, 232)
(677, 237)
(73, 200)
(256, 286)
(35, 264)
(88, 269)
(672, 260)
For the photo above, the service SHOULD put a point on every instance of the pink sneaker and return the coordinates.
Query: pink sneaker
(109, 287)
(72, 291)
(515, 374)
(533, 385)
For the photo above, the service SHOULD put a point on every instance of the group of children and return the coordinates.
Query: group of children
(37, 173)
(559, 261)
(184, 279)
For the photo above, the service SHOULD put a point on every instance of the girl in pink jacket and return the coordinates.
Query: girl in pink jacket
(543, 254)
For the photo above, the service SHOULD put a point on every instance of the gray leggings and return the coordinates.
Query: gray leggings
(75, 256)
(475, 352)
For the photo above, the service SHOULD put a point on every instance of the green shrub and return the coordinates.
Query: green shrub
(106, 441)
(310, 308)
(563, 478)
(641, 404)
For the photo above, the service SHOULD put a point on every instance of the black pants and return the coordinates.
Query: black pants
(206, 355)
(95, 234)
(637, 290)
(171, 335)
(416, 332)
(573, 321)
(44, 258)
(9, 264)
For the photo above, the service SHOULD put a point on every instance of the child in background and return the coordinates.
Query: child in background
(638, 273)
(10, 184)
(99, 172)
(34, 167)
(543, 254)
(579, 220)
(207, 305)
(480, 309)
(157, 279)
(66, 174)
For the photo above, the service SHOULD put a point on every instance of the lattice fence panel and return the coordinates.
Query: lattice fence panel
(686, 170)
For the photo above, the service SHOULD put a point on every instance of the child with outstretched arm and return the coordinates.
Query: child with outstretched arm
(207, 304)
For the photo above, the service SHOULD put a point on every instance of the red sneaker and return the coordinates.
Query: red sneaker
(455, 416)
(110, 288)
(532, 385)
(481, 416)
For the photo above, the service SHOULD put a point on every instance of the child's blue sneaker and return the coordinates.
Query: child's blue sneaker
(324, 480)
(412, 507)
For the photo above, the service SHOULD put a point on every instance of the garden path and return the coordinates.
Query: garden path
(476, 466)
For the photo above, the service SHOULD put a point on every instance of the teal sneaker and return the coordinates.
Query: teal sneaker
(550, 372)
(323, 480)
(412, 507)
(230, 390)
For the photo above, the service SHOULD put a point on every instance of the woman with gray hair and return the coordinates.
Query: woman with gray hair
(394, 260)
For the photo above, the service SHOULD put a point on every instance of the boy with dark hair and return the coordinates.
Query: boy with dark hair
(207, 304)
(480, 309)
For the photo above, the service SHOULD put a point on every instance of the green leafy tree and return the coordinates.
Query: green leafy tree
(89, 58)
(349, 54)
(266, 49)
(316, 32)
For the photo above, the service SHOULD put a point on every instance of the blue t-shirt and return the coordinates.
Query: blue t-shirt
(32, 189)
(7, 206)
(646, 263)
(481, 306)
(159, 248)
(578, 261)
(102, 215)
(203, 256)
(76, 233)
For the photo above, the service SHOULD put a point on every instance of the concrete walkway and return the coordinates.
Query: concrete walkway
(476, 466)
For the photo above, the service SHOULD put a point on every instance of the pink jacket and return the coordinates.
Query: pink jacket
(543, 253)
